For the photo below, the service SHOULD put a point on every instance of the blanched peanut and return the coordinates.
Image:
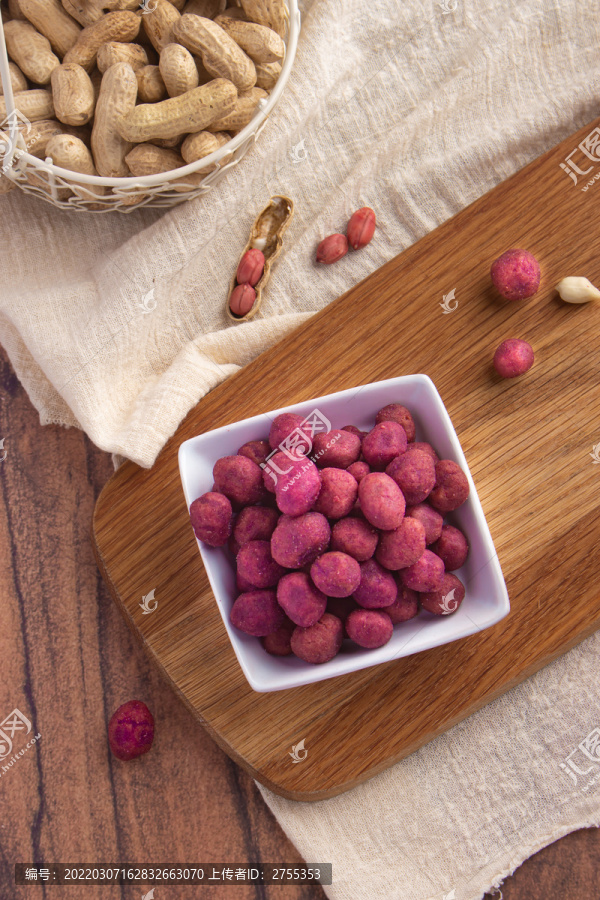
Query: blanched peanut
(31, 51)
(262, 44)
(203, 143)
(242, 112)
(17, 79)
(117, 98)
(51, 20)
(221, 56)
(178, 70)
(267, 75)
(36, 104)
(190, 112)
(151, 87)
(146, 159)
(114, 26)
(158, 24)
(73, 94)
(266, 12)
(115, 51)
(69, 152)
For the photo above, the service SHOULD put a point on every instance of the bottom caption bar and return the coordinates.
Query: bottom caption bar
(178, 873)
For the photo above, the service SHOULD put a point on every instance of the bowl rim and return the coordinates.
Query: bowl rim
(315, 674)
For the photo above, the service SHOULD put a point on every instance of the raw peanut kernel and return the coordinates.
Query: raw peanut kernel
(332, 248)
(242, 299)
(251, 267)
(361, 227)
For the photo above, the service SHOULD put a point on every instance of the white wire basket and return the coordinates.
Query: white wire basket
(70, 190)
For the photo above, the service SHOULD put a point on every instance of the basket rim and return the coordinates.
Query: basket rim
(179, 174)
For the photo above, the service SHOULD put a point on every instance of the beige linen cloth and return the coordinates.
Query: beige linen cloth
(116, 324)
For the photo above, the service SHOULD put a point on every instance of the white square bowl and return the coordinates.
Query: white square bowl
(486, 600)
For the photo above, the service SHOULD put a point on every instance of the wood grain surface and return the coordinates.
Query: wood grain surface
(69, 661)
(527, 442)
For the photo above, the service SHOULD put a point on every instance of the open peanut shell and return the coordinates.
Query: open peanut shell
(266, 235)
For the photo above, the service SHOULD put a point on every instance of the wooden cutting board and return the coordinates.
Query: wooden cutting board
(528, 443)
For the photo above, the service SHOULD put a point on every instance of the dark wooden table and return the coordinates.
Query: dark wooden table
(68, 661)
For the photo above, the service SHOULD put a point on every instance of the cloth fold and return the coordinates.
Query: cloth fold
(116, 324)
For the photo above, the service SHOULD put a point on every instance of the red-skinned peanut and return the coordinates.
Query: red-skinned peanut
(242, 299)
(251, 267)
(361, 227)
(332, 248)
